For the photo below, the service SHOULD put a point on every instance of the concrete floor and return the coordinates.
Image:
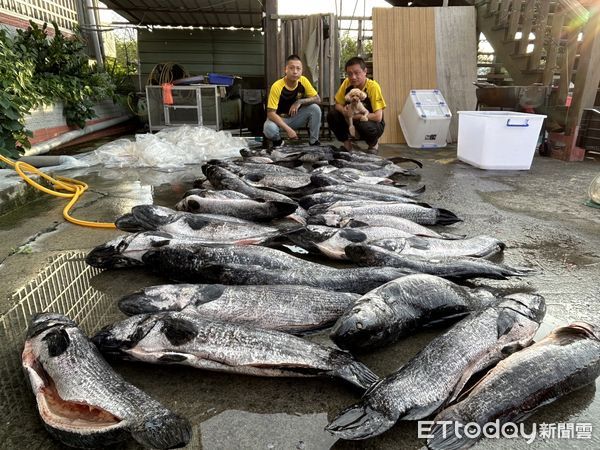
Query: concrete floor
(538, 213)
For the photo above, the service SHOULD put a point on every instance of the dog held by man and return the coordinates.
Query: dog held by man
(354, 104)
(339, 119)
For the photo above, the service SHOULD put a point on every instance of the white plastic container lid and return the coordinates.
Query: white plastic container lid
(430, 103)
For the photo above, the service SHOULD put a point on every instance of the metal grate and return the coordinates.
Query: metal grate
(62, 286)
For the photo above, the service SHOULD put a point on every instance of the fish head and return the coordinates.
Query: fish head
(152, 217)
(165, 431)
(218, 176)
(190, 203)
(126, 251)
(41, 322)
(360, 326)
(532, 306)
(119, 337)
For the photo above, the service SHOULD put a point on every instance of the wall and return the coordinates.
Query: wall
(199, 52)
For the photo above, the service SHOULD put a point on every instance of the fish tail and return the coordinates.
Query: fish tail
(446, 217)
(448, 434)
(163, 431)
(518, 271)
(359, 421)
(418, 191)
(357, 373)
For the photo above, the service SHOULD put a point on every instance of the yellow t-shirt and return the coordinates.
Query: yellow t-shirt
(373, 102)
(281, 98)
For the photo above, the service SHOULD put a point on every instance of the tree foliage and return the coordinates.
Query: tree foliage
(349, 49)
(36, 70)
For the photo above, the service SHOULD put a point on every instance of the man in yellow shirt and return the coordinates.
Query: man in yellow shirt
(370, 130)
(292, 104)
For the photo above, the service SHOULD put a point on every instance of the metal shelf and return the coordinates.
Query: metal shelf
(197, 107)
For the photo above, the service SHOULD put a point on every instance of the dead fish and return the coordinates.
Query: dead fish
(438, 372)
(246, 209)
(449, 267)
(208, 228)
(426, 247)
(291, 309)
(82, 401)
(372, 170)
(379, 220)
(564, 361)
(211, 193)
(359, 280)
(222, 178)
(278, 182)
(320, 198)
(188, 339)
(403, 306)
(422, 214)
(326, 208)
(188, 263)
(368, 192)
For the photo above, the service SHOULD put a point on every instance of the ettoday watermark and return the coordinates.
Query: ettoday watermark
(508, 430)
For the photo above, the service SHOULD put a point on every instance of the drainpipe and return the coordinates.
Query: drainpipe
(94, 33)
(46, 146)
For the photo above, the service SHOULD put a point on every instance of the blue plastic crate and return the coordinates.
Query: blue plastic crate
(216, 78)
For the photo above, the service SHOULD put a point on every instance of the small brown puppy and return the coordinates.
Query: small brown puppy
(354, 104)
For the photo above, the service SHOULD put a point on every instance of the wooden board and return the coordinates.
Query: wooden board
(456, 56)
(403, 58)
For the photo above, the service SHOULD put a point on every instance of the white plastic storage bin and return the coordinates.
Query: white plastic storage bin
(498, 140)
(425, 119)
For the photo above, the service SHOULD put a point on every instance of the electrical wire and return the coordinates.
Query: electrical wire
(74, 189)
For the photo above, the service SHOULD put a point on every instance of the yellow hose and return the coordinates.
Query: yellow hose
(73, 187)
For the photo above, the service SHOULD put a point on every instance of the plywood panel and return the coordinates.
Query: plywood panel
(456, 55)
(404, 58)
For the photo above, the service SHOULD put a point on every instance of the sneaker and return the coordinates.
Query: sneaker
(278, 143)
(317, 143)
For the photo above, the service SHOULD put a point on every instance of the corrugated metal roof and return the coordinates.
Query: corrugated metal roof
(205, 13)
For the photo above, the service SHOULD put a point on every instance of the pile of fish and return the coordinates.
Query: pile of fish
(321, 239)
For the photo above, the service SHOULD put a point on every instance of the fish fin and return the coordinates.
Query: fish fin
(359, 421)
(178, 331)
(419, 191)
(418, 243)
(353, 223)
(509, 349)
(283, 209)
(452, 236)
(355, 372)
(196, 222)
(424, 205)
(447, 436)
(399, 159)
(446, 217)
(506, 321)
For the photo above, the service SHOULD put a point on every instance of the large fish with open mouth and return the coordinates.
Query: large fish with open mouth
(402, 307)
(82, 401)
(368, 254)
(291, 309)
(209, 228)
(435, 376)
(246, 209)
(188, 339)
(562, 362)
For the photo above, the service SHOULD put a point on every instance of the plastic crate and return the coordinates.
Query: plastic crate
(216, 78)
(425, 119)
(498, 140)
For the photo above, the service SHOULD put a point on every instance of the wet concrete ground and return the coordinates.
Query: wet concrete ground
(538, 213)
